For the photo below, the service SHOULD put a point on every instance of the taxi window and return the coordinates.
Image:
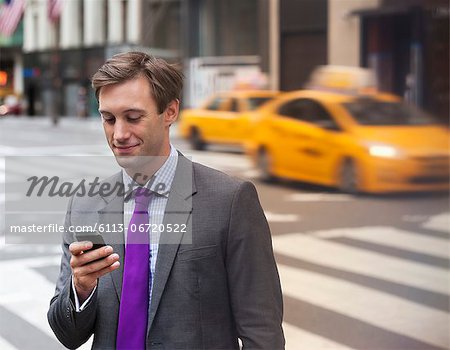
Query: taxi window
(216, 104)
(233, 105)
(309, 111)
(256, 102)
(292, 109)
(369, 111)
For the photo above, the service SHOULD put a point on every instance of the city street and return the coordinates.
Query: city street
(357, 272)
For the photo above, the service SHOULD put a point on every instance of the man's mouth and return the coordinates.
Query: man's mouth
(125, 149)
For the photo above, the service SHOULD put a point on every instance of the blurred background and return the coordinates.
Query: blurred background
(357, 90)
(50, 49)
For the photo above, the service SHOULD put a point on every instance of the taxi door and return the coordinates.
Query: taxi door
(287, 138)
(231, 123)
(214, 119)
(307, 141)
(321, 148)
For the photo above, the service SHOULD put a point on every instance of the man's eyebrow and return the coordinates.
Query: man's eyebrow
(101, 111)
(134, 110)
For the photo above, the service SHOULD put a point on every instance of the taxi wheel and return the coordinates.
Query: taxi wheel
(348, 177)
(264, 163)
(196, 141)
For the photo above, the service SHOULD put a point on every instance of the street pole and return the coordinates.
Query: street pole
(56, 83)
(274, 44)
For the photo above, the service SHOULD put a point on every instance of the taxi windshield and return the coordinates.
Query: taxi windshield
(256, 102)
(370, 111)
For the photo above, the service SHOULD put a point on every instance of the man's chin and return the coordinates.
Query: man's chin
(136, 164)
(128, 161)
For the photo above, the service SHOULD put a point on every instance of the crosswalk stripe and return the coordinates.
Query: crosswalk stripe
(251, 174)
(393, 237)
(2, 170)
(318, 197)
(69, 166)
(74, 170)
(439, 222)
(356, 260)
(298, 338)
(281, 217)
(224, 161)
(399, 316)
(29, 303)
(347, 330)
(24, 303)
(4, 345)
(6, 150)
(52, 149)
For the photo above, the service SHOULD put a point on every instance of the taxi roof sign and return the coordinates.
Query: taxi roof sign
(342, 79)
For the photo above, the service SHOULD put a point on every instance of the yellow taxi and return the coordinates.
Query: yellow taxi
(224, 118)
(370, 142)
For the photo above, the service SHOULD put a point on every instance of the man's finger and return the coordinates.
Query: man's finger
(76, 248)
(93, 267)
(94, 255)
(89, 272)
(107, 269)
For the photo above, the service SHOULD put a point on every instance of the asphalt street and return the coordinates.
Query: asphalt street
(357, 272)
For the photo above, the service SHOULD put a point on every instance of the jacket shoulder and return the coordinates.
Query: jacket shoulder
(206, 177)
(214, 184)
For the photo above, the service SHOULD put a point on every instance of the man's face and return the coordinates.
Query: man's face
(132, 124)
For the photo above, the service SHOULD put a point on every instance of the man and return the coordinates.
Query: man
(205, 286)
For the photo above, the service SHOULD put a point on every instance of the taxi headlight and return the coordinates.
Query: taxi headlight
(384, 151)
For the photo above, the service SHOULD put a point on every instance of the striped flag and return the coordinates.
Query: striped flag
(54, 9)
(10, 14)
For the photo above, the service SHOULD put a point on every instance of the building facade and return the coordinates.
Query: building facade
(61, 56)
(276, 42)
(405, 42)
(303, 40)
(11, 63)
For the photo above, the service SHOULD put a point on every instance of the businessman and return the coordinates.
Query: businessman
(206, 278)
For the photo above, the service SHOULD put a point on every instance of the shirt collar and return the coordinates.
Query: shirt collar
(161, 182)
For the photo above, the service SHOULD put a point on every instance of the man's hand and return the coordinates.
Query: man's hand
(88, 266)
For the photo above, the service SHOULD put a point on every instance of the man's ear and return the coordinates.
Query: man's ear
(171, 112)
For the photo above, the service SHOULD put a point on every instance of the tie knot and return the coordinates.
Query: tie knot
(142, 197)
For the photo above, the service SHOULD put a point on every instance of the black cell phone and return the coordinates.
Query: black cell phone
(94, 237)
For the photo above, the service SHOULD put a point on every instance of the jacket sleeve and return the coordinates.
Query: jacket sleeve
(253, 279)
(70, 327)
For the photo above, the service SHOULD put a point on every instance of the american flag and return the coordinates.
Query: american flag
(10, 13)
(54, 9)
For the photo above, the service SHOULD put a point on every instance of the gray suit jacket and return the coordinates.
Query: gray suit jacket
(213, 284)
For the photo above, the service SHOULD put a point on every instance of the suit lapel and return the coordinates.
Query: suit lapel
(178, 211)
(111, 216)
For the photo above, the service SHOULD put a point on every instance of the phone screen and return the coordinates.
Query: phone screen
(94, 237)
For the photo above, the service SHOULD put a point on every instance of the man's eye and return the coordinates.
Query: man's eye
(108, 120)
(134, 118)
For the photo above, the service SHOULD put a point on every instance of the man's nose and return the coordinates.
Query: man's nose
(121, 130)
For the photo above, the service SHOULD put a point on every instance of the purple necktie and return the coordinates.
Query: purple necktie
(133, 314)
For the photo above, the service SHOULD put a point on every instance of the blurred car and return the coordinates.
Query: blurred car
(11, 105)
(368, 143)
(224, 118)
